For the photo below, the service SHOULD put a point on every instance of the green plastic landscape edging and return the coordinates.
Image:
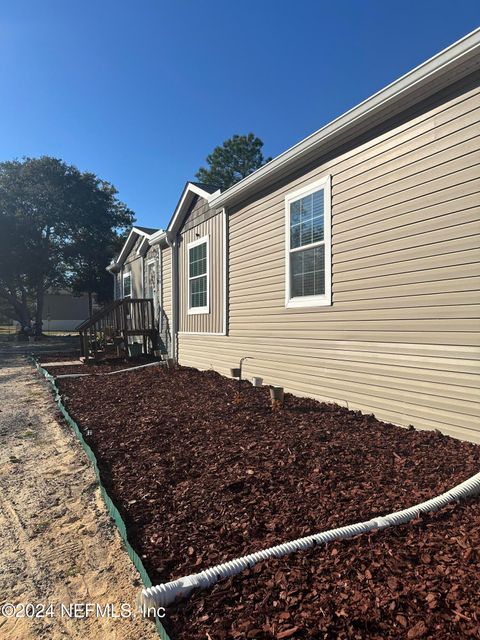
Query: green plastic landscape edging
(112, 509)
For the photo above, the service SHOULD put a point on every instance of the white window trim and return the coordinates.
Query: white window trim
(127, 274)
(224, 331)
(149, 262)
(317, 300)
(190, 245)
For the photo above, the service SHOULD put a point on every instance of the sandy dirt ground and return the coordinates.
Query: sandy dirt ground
(57, 543)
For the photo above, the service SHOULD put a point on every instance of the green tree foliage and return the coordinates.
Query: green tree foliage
(237, 158)
(96, 237)
(58, 228)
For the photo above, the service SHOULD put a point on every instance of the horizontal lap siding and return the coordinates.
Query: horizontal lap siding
(401, 339)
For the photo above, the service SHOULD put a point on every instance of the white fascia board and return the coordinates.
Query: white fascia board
(212, 196)
(143, 246)
(199, 191)
(451, 57)
(157, 237)
(178, 210)
(140, 232)
(126, 247)
(186, 198)
(128, 244)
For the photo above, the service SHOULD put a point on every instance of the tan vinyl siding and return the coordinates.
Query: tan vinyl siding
(199, 212)
(166, 286)
(211, 322)
(134, 264)
(402, 337)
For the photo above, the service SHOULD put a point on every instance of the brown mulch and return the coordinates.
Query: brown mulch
(415, 581)
(202, 476)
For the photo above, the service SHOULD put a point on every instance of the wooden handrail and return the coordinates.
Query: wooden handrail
(98, 315)
(144, 303)
(126, 317)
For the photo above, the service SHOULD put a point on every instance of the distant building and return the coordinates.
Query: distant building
(63, 311)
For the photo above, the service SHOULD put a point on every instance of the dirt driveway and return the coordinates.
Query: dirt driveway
(57, 544)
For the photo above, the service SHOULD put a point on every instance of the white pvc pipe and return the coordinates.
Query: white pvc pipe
(166, 593)
(105, 373)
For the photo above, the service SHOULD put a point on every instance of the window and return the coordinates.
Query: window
(127, 285)
(151, 279)
(308, 250)
(198, 276)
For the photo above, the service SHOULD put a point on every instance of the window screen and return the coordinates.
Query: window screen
(198, 276)
(307, 246)
(127, 285)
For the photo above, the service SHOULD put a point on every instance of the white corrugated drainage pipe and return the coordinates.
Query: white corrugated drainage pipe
(165, 594)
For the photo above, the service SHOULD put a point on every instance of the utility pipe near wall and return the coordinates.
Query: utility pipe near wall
(165, 594)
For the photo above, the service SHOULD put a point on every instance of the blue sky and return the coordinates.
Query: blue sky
(140, 92)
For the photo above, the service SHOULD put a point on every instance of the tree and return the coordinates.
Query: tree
(237, 158)
(91, 276)
(50, 213)
(96, 237)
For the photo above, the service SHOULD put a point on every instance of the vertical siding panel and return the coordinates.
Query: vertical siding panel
(197, 227)
(166, 275)
(133, 263)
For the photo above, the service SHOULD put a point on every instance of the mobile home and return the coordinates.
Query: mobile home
(347, 268)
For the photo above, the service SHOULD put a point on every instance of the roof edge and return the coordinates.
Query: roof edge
(424, 73)
(157, 237)
(127, 245)
(190, 190)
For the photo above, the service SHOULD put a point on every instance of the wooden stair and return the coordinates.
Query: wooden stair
(108, 331)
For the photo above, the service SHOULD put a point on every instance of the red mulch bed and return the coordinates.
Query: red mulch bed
(416, 581)
(202, 476)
